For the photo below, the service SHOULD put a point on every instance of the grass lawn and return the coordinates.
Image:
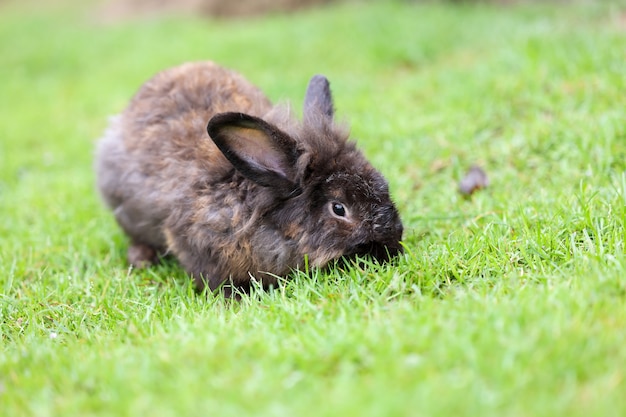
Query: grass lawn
(509, 303)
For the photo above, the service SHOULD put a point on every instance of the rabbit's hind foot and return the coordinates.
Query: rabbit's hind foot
(141, 255)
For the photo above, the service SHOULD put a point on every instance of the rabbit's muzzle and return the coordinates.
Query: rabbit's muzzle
(382, 242)
(378, 251)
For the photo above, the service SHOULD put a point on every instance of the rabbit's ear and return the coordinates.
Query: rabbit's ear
(260, 151)
(318, 101)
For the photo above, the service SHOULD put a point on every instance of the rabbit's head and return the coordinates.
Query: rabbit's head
(322, 195)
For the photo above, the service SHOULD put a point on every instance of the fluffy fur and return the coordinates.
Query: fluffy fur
(248, 196)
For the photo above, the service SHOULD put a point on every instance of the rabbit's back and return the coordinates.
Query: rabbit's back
(153, 153)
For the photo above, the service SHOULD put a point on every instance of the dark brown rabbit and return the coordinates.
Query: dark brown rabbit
(251, 195)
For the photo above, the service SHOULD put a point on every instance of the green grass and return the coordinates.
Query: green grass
(511, 303)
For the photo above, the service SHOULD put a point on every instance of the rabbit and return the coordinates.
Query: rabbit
(202, 166)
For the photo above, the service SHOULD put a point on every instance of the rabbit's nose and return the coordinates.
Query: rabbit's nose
(398, 227)
(387, 225)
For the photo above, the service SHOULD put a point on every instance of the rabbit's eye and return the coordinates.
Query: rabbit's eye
(339, 209)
